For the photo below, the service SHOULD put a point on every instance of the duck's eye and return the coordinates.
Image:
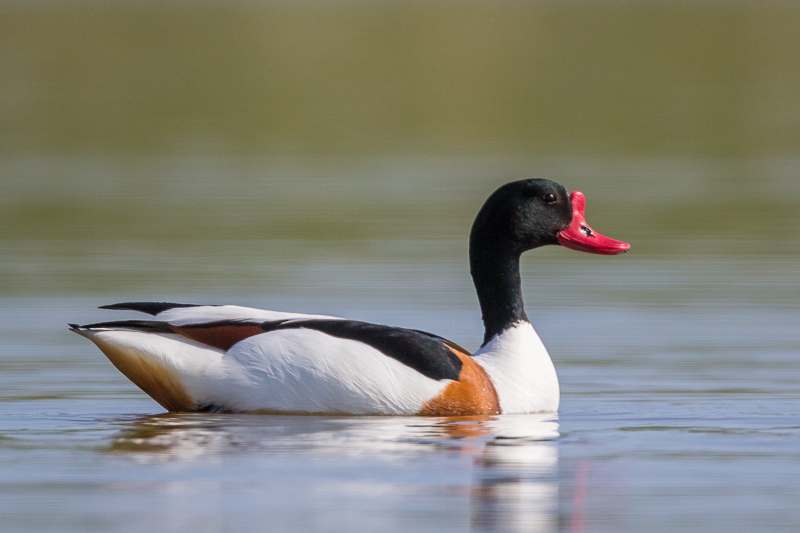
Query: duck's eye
(550, 198)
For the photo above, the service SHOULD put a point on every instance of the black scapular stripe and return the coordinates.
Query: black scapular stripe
(426, 353)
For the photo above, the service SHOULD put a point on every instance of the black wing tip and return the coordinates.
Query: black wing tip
(152, 326)
(151, 308)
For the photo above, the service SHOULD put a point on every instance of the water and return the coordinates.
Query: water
(679, 406)
(329, 158)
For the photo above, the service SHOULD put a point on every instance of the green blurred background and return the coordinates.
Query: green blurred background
(185, 122)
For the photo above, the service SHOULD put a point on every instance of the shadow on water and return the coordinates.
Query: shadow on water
(505, 468)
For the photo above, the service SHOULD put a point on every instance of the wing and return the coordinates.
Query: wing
(181, 314)
(224, 326)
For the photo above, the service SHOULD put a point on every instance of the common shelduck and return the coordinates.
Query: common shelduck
(226, 358)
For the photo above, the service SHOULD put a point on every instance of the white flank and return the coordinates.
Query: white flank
(298, 370)
(521, 370)
(293, 370)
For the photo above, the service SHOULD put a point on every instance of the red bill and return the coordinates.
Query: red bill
(580, 236)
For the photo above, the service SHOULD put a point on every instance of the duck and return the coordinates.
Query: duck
(229, 358)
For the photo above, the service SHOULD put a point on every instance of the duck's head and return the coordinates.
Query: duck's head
(526, 214)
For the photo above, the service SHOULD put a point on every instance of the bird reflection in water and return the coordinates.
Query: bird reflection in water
(515, 485)
(505, 466)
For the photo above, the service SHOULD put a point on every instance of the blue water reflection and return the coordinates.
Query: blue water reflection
(499, 473)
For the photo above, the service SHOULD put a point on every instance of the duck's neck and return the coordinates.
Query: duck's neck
(495, 272)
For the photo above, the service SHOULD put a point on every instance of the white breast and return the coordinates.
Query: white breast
(521, 370)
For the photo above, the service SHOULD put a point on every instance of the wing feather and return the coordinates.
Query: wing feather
(223, 326)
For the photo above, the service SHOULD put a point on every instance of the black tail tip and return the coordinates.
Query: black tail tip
(73, 327)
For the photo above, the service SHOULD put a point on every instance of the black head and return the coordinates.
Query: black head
(522, 215)
(519, 216)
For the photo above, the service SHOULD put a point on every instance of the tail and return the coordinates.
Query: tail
(168, 367)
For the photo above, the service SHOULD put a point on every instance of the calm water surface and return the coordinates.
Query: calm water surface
(679, 408)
